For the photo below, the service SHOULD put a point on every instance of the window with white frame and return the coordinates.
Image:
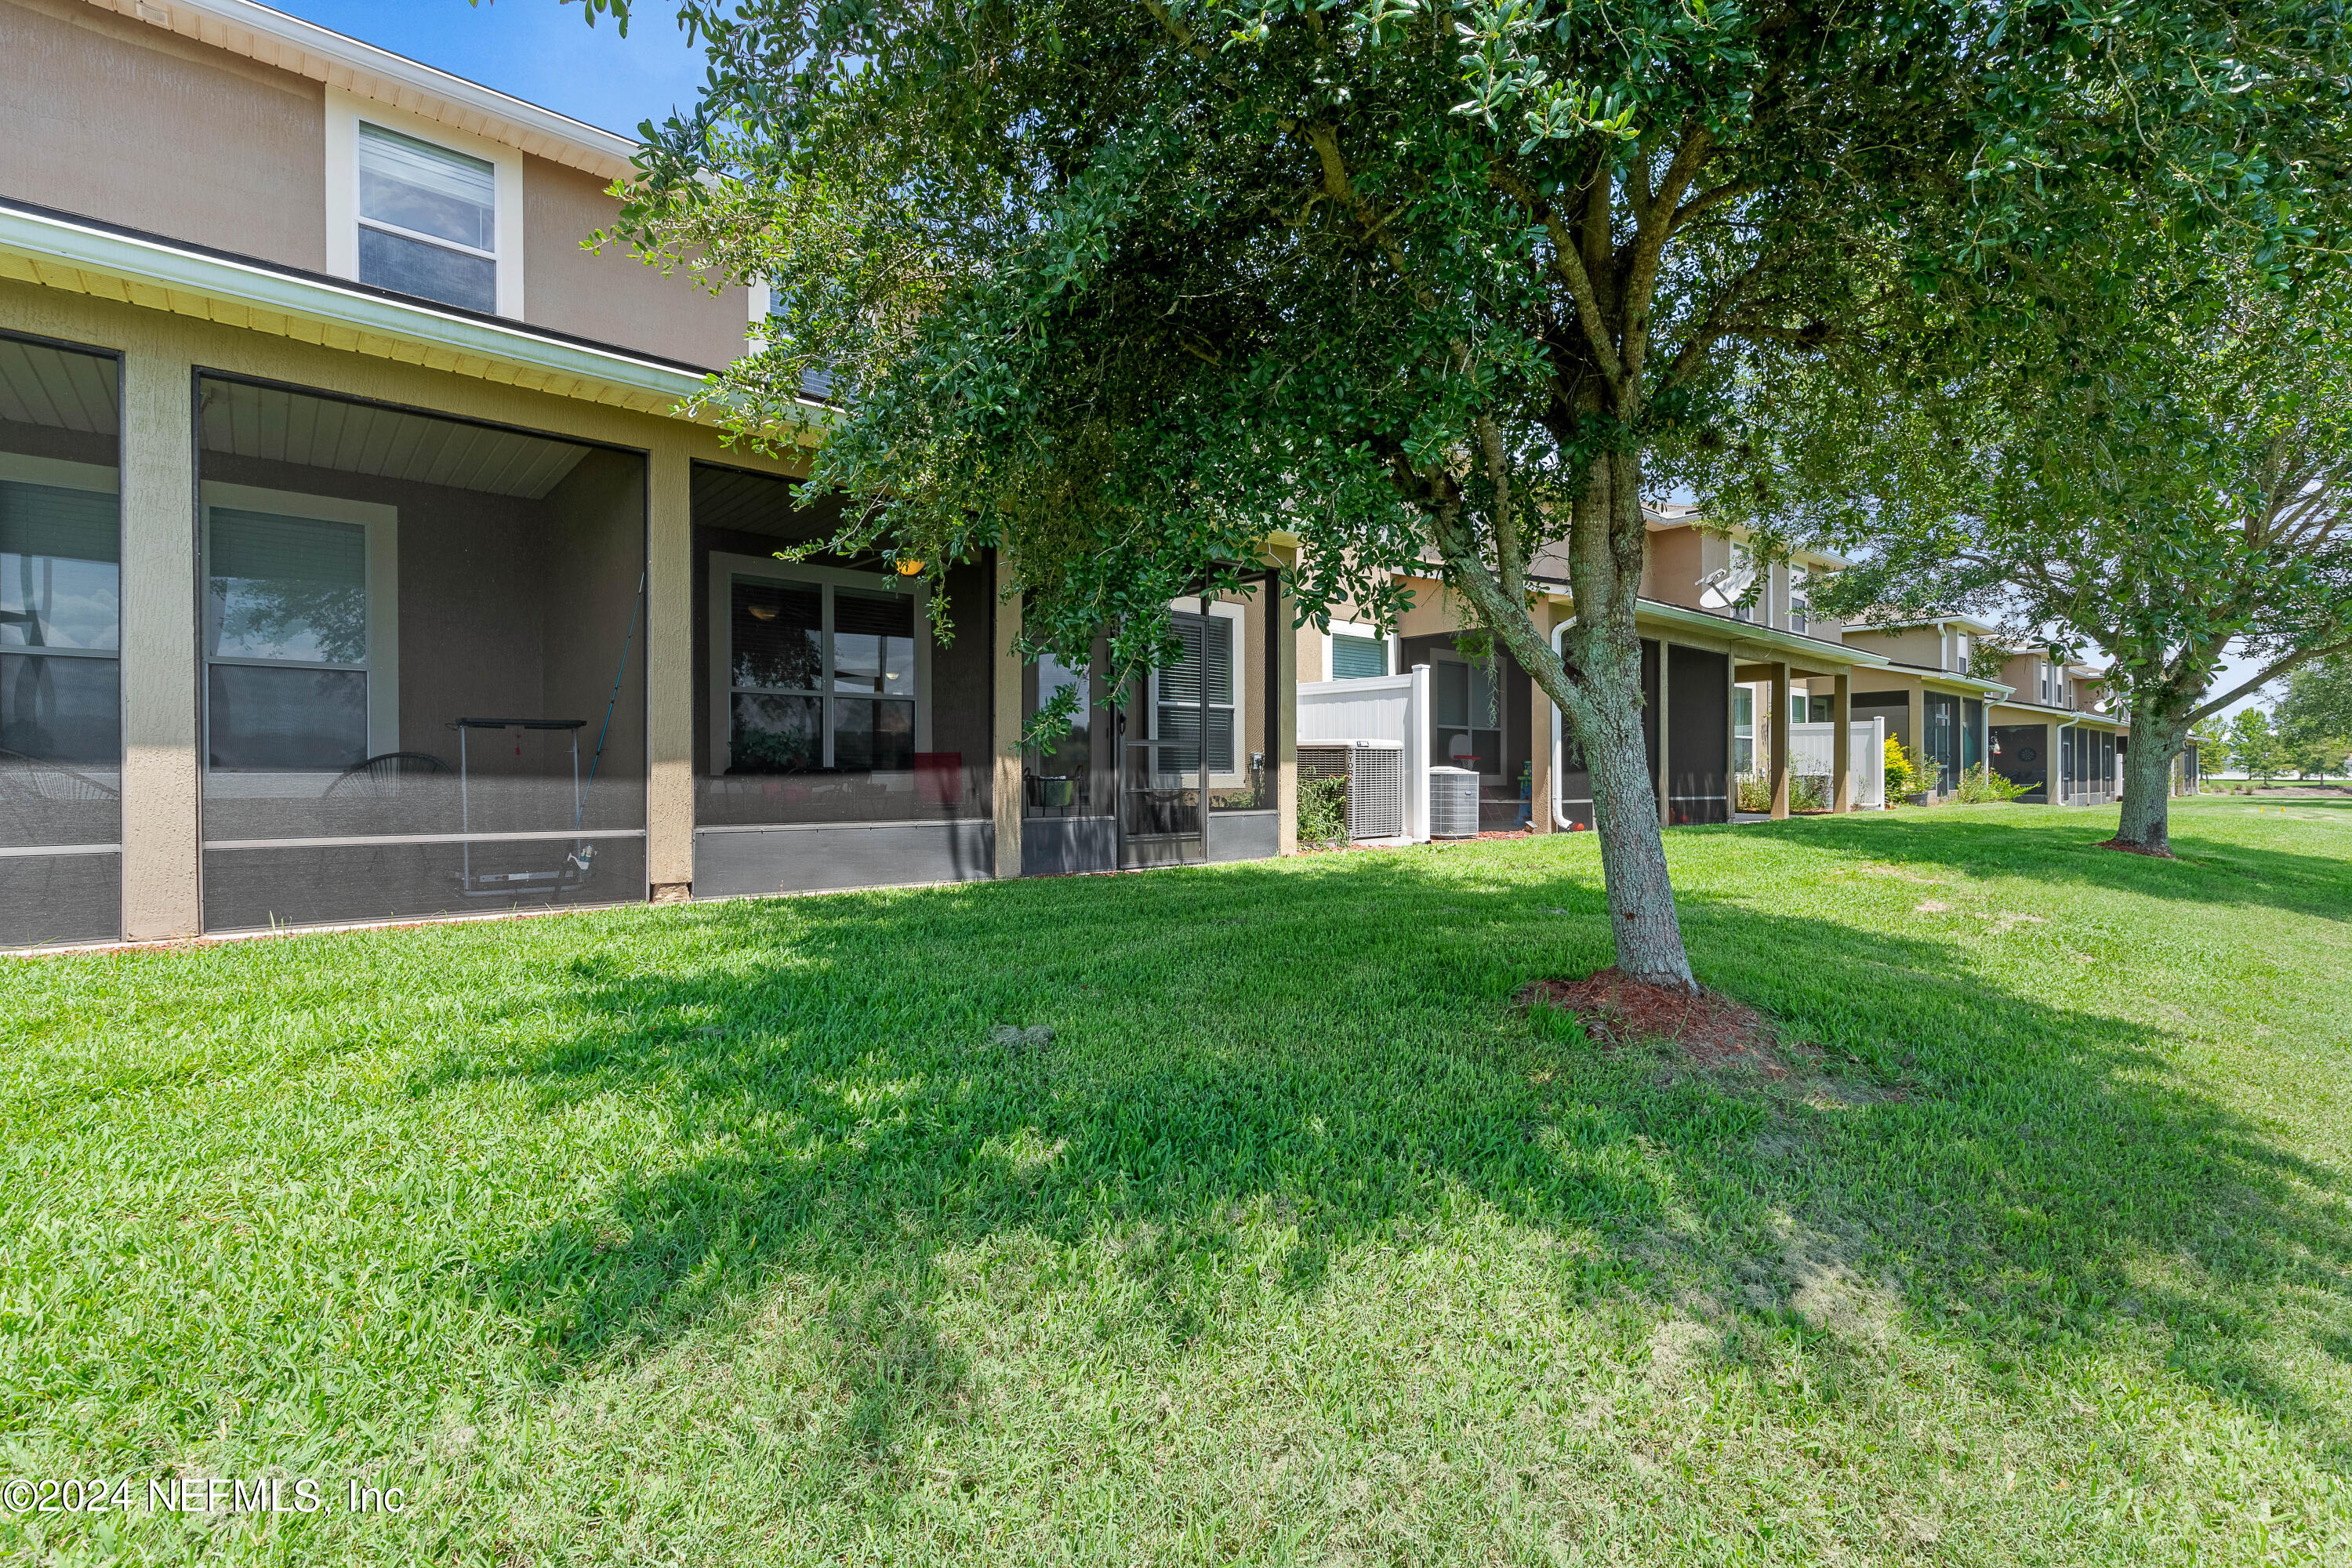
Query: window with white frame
(1177, 700)
(429, 219)
(298, 615)
(1358, 653)
(1799, 602)
(824, 675)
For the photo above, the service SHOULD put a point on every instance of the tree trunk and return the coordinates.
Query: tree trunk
(1602, 706)
(2148, 782)
(1641, 919)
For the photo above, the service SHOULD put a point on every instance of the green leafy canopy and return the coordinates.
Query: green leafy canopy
(1131, 288)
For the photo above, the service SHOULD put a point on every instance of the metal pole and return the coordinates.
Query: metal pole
(465, 813)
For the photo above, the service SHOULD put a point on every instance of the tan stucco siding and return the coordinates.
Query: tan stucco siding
(1670, 572)
(613, 297)
(1908, 645)
(132, 125)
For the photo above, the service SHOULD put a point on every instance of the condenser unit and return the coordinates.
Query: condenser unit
(1453, 803)
(1375, 774)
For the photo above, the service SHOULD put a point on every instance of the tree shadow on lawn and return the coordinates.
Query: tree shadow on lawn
(2207, 870)
(1334, 1050)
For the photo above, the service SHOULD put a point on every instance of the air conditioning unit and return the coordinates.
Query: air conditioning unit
(1375, 774)
(1453, 803)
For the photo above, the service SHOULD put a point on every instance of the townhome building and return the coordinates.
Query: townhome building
(2059, 733)
(357, 564)
(1740, 679)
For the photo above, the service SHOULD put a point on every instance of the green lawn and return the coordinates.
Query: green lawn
(724, 1234)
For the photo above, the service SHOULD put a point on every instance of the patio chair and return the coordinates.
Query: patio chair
(379, 777)
(42, 802)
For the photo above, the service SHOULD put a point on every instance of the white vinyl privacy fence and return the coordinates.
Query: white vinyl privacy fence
(1392, 708)
(1813, 755)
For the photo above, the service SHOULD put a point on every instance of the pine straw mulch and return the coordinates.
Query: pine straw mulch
(1705, 1030)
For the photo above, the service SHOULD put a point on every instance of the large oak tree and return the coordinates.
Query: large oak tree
(2156, 466)
(1125, 288)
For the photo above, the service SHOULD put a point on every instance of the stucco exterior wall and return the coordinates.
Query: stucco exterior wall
(1671, 571)
(114, 120)
(1920, 645)
(613, 297)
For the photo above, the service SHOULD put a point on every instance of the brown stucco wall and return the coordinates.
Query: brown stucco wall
(613, 298)
(116, 120)
(1671, 573)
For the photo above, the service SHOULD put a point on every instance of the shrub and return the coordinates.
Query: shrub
(1906, 774)
(1979, 785)
(1323, 811)
(1755, 793)
(1809, 791)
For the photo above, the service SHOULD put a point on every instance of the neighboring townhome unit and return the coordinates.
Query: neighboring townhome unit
(1739, 685)
(355, 563)
(2057, 734)
(1934, 694)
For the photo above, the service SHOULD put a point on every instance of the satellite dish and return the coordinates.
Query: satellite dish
(1723, 590)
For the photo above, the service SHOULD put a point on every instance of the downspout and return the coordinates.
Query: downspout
(1560, 818)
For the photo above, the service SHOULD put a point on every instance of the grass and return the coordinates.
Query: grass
(726, 1234)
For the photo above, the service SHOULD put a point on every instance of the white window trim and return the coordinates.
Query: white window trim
(1239, 615)
(344, 113)
(726, 570)
(759, 299)
(59, 474)
(382, 524)
(1392, 642)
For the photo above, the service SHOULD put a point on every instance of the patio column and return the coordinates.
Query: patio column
(1283, 722)
(1731, 737)
(162, 781)
(1842, 743)
(1004, 705)
(1917, 743)
(1539, 742)
(1665, 736)
(1779, 739)
(669, 672)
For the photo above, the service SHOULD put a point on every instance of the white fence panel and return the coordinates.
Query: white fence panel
(1377, 707)
(1812, 751)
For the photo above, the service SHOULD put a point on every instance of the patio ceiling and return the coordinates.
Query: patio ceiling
(290, 427)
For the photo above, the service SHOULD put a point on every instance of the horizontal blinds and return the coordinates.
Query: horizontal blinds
(1357, 658)
(72, 525)
(428, 189)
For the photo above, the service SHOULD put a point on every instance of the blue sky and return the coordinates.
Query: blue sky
(538, 51)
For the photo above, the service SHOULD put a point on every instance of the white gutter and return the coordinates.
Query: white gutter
(274, 38)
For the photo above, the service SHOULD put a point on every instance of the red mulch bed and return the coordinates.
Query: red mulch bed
(1707, 1029)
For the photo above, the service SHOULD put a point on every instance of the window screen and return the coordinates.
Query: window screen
(286, 633)
(428, 220)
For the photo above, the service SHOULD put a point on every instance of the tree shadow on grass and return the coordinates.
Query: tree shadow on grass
(2066, 849)
(1334, 1050)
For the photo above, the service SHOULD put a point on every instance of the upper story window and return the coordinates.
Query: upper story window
(422, 208)
(1801, 606)
(427, 219)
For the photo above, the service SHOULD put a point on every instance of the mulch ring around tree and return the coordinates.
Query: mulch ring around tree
(1705, 1030)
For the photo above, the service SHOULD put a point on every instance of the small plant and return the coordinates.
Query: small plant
(1906, 774)
(1809, 791)
(1979, 785)
(1755, 793)
(1322, 810)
